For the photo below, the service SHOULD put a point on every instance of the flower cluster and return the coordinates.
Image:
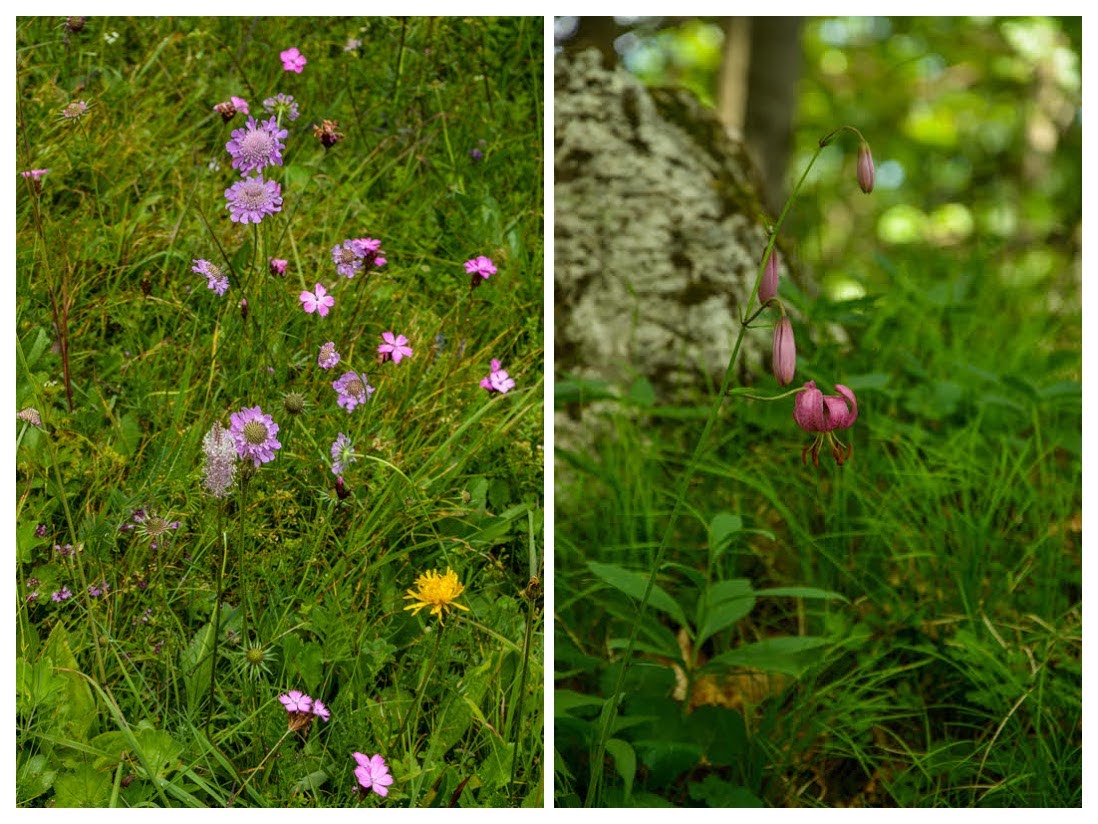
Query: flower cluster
(372, 773)
(352, 389)
(219, 472)
(498, 380)
(293, 60)
(282, 105)
(254, 434)
(302, 710)
(353, 254)
(393, 347)
(257, 145)
(216, 280)
(481, 268)
(437, 592)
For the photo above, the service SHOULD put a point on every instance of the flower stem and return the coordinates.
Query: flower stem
(609, 714)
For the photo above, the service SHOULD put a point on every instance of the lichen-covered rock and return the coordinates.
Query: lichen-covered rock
(658, 236)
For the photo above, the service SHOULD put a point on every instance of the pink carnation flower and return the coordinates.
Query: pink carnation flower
(372, 773)
(293, 60)
(320, 302)
(394, 348)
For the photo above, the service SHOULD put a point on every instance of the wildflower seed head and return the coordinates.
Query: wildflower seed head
(293, 403)
(30, 415)
(74, 25)
(75, 110)
(227, 110)
(255, 432)
(220, 469)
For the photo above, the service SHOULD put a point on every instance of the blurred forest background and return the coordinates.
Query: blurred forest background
(950, 301)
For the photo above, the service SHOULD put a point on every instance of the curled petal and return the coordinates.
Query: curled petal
(842, 411)
(808, 409)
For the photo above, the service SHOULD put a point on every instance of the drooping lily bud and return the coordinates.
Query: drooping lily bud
(768, 286)
(785, 351)
(865, 168)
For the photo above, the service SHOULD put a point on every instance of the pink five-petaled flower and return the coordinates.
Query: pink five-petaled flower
(278, 266)
(481, 268)
(352, 389)
(768, 286)
(785, 351)
(822, 414)
(371, 251)
(320, 710)
(394, 348)
(320, 302)
(296, 701)
(498, 380)
(293, 60)
(372, 773)
(254, 434)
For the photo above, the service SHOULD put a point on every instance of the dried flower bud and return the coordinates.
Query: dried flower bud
(341, 489)
(865, 168)
(74, 25)
(328, 133)
(244, 308)
(785, 351)
(226, 110)
(768, 286)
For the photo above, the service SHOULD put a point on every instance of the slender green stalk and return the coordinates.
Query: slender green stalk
(224, 538)
(609, 713)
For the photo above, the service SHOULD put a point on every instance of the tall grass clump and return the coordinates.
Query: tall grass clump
(279, 468)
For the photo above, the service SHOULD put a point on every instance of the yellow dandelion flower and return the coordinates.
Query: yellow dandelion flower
(437, 592)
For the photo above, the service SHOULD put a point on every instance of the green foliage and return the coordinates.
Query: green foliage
(162, 689)
(920, 644)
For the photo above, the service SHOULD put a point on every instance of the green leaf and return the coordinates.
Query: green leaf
(800, 592)
(564, 701)
(33, 778)
(625, 760)
(721, 732)
(41, 341)
(310, 783)
(83, 787)
(722, 605)
(197, 661)
(633, 584)
(721, 529)
(717, 793)
(786, 654)
(667, 760)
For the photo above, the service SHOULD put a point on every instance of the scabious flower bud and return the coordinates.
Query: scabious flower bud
(785, 351)
(768, 286)
(865, 168)
(294, 403)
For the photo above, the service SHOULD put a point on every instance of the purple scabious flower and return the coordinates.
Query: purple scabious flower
(219, 472)
(372, 773)
(293, 60)
(62, 594)
(252, 199)
(343, 453)
(216, 281)
(371, 251)
(282, 104)
(95, 590)
(353, 390)
(296, 701)
(498, 380)
(256, 145)
(278, 266)
(394, 348)
(328, 356)
(30, 415)
(480, 265)
(254, 434)
(476, 155)
(348, 258)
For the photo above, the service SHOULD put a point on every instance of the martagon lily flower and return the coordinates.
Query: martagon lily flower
(822, 414)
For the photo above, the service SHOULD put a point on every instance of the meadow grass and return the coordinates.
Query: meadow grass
(921, 641)
(145, 687)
